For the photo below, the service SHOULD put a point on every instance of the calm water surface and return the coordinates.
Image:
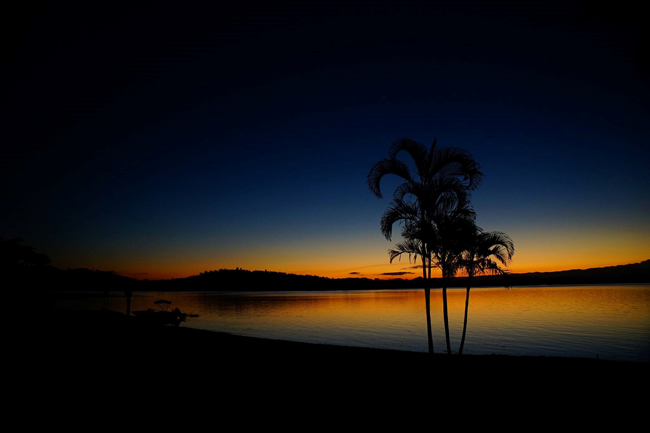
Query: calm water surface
(609, 322)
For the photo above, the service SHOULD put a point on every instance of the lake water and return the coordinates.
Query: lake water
(608, 322)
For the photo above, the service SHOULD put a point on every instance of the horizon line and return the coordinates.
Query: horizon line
(351, 275)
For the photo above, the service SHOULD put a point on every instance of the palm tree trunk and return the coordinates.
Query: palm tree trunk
(462, 339)
(427, 296)
(427, 300)
(445, 310)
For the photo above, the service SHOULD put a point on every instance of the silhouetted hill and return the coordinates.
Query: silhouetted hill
(48, 278)
(51, 278)
(243, 280)
(632, 273)
(22, 269)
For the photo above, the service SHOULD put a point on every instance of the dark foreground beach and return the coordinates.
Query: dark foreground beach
(91, 340)
(91, 358)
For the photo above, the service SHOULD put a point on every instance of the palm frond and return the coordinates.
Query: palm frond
(397, 211)
(409, 247)
(417, 151)
(448, 162)
(383, 168)
(498, 245)
(486, 251)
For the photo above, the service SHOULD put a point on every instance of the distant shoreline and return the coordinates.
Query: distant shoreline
(243, 280)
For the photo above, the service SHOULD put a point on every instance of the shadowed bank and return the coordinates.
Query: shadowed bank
(73, 346)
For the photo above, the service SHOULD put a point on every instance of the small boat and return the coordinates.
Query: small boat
(162, 315)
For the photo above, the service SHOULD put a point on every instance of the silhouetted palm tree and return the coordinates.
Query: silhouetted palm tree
(414, 248)
(446, 240)
(442, 180)
(483, 254)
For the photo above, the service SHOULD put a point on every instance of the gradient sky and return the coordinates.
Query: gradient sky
(163, 139)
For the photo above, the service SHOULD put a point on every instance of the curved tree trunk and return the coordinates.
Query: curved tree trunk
(427, 298)
(427, 301)
(462, 340)
(445, 310)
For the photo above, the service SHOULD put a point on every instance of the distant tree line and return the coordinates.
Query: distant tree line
(21, 270)
(15, 255)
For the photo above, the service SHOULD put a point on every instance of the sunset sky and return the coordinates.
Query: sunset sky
(163, 139)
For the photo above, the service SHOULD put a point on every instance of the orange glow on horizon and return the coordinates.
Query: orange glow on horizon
(533, 254)
(382, 272)
(537, 249)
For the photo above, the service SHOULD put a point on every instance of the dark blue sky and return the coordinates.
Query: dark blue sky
(166, 138)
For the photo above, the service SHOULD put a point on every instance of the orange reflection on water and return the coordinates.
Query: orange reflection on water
(558, 308)
(486, 305)
(338, 309)
(580, 321)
